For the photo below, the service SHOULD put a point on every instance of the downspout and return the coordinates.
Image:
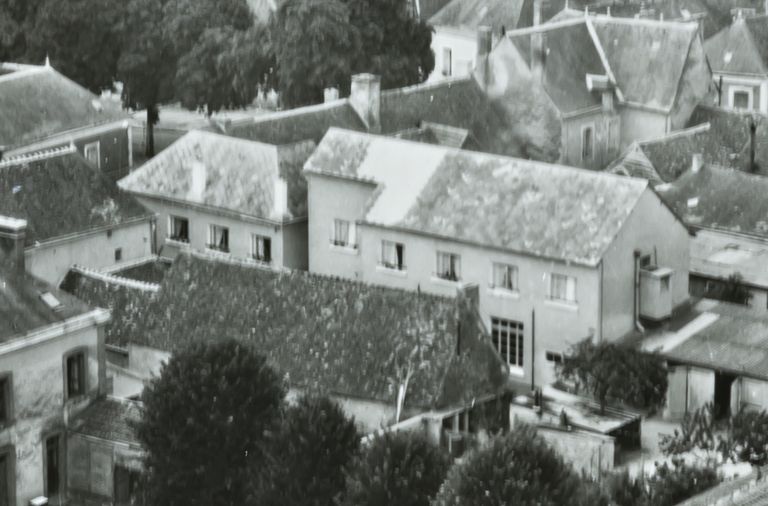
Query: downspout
(638, 325)
(533, 349)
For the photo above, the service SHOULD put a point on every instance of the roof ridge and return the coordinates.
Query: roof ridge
(545, 27)
(286, 113)
(115, 279)
(646, 22)
(676, 134)
(19, 73)
(414, 88)
(35, 156)
(198, 132)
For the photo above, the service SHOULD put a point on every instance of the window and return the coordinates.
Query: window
(555, 358)
(343, 233)
(504, 276)
(448, 266)
(562, 287)
(393, 255)
(52, 466)
(179, 229)
(741, 97)
(219, 238)
(587, 143)
(75, 375)
(6, 400)
(118, 254)
(447, 63)
(507, 338)
(7, 476)
(91, 152)
(262, 248)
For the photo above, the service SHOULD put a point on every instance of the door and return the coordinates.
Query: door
(52, 467)
(723, 384)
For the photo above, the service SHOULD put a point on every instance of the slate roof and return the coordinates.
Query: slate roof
(22, 309)
(226, 173)
(336, 335)
(38, 102)
(109, 419)
(546, 210)
(736, 342)
(718, 198)
(741, 48)
(471, 14)
(60, 193)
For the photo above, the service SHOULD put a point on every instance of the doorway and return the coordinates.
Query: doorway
(52, 469)
(723, 383)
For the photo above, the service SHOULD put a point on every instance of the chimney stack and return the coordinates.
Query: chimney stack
(696, 162)
(330, 94)
(365, 99)
(12, 234)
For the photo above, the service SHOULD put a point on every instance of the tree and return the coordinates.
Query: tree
(517, 468)
(612, 371)
(315, 43)
(396, 468)
(204, 424)
(671, 483)
(316, 441)
(17, 18)
(734, 290)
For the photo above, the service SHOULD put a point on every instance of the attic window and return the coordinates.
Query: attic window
(51, 301)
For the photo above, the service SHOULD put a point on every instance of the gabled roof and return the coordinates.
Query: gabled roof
(540, 209)
(741, 48)
(634, 163)
(723, 199)
(471, 14)
(110, 419)
(37, 102)
(59, 193)
(335, 335)
(225, 173)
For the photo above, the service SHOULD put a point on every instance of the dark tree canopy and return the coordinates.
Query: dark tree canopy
(401, 468)
(517, 468)
(204, 424)
(17, 17)
(307, 457)
(611, 371)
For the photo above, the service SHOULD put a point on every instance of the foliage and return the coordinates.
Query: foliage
(697, 430)
(517, 468)
(669, 485)
(308, 455)
(616, 372)
(401, 468)
(204, 424)
(16, 20)
(748, 436)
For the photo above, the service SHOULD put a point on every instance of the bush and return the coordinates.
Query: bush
(748, 437)
(401, 468)
(517, 468)
(697, 430)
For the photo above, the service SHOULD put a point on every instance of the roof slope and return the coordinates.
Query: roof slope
(110, 419)
(741, 48)
(470, 14)
(37, 102)
(224, 172)
(336, 335)
(546, 210)
(724, 199)
(61, 194)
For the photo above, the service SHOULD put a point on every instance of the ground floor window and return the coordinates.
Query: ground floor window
(507, 338)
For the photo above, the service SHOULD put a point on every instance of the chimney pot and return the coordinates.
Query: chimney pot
(12, 234)
(365, 99)
(696, 162)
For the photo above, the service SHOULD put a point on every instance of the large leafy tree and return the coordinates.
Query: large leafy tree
(17, 17)
(205, 422)
(401, 468)
(307, 458)
(518, 468)
(612, 371)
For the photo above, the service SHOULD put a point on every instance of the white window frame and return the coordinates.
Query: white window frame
(338, 240)
(505, 332)
(584, 128)
(570, 286)
(91, 146)
(213, 240)
(733, 89)
(510, 274)
(263, 239)
(454, 266)
(172, 229)
(389, 259)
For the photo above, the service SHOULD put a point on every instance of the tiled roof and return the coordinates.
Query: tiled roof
(22, 308)
(736, 342)
(519, 205)
(470, 14)
(62, 194)
(296, 125)
(724, 199)
(37, 102)
(741, 48)
(110, 419)
(336, 335)
(226, 173)
(634, 163)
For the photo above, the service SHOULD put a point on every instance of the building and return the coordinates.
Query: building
(590, 86)
(559, 254)
(52, 366)
(74, 213)
(728, 210)
(738, 55)
(384, 354)
(42, 109)
(230, 196)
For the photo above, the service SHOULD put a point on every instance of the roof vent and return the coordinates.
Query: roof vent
(51, 301)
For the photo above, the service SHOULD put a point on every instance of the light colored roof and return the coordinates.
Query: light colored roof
(223, 172)
(520, 205)
(37, 102)
(741, 48)
(720, 255)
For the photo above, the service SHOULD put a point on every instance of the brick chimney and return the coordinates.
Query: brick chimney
(12, 234)
(365, 99)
